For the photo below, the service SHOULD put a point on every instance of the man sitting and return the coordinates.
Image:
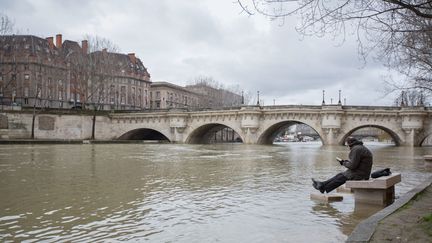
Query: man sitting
(358, 167)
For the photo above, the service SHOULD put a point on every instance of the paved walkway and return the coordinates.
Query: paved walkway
(408, 219)
(410, 223)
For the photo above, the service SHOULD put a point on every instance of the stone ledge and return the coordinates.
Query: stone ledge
(366, 228)
(428, 158)
(333, 197)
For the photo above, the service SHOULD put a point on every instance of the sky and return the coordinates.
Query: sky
(179, 41)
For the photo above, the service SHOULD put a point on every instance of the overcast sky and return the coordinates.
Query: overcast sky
(179, 40)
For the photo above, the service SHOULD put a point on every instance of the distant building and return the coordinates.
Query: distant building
(164, 95)
(215, 98)
(35, 72)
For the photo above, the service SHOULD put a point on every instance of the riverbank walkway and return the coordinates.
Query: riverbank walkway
(408, 219)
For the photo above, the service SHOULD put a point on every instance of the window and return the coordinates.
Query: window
(133, 95)
(139, 96)
(50, 88)
(60, 90)
(26, 76)
(112, 94)
(122, 94)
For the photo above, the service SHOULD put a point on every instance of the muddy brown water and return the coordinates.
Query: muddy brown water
(183, 193)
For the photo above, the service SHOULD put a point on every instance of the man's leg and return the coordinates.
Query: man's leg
(334, 182)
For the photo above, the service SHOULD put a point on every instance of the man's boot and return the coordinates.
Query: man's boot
(318, 185)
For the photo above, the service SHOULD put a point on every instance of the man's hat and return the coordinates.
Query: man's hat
(351, 141)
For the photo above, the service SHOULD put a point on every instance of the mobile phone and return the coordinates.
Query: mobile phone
(339, 159)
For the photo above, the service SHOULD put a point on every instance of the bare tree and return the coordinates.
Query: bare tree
(399, 31)
(410, 98)
(98, 43)
(6, 25)
(99, 73)
(8, 77)
(215, 94)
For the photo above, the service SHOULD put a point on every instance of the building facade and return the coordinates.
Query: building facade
(164, 95)
(52, 73)
(215, 98)
(35, 72)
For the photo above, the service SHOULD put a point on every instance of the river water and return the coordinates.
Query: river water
(183, 193)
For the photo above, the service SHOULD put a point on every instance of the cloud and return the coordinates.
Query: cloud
(180, 40)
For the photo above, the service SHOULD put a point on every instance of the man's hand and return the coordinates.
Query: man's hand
(340, 160)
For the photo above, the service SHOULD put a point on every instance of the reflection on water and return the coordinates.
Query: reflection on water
(182, 193)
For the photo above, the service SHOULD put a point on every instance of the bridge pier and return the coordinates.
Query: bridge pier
(329, 136)
(411, 137)
(249, 135)
(177, 134)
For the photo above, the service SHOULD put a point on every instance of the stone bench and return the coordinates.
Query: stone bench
(428, 158)
(379, 191)
(344, 189)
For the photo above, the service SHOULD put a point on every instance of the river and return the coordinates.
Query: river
(183, 193)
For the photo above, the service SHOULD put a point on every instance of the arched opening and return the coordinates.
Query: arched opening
(427, 141)
(290, 132)
(214, 133)
(144, 134)
(373, 135)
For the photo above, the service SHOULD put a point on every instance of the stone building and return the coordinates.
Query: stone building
(215, 98)
(52, 73)
(164, 95)
(36, 72)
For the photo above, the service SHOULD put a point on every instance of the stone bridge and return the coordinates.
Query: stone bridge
(408, 126)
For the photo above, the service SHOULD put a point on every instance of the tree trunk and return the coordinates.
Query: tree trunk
(33, 121)
(93, 125)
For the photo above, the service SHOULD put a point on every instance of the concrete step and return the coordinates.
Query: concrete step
(324, 197)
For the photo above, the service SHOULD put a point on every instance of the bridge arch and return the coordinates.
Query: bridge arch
(426, 140)
(203, 133)
(269, 134)
(143, 134)
(396, 138)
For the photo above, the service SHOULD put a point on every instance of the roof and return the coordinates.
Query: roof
(27, 44)
(123, 62)
(171, 85)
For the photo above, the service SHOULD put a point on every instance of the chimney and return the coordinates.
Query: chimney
(50, 42)
(59, 41)
(84, 46)
(132, 57)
